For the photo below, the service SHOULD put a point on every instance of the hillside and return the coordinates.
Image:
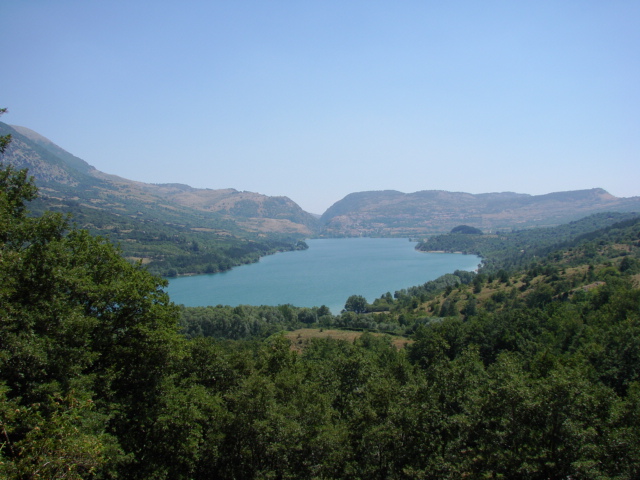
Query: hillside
(64, 177)
(172, 228)
(385, 213)
(517, 248)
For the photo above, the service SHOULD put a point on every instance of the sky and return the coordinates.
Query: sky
(314, 100)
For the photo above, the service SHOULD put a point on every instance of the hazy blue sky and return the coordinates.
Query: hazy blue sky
(318, 99)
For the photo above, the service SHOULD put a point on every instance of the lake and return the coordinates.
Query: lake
(326, 274)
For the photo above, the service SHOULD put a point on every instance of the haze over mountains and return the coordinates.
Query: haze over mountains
(67, 181)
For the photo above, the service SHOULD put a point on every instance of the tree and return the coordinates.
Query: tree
(470, 308)
(356, 304)
(4, 139)
(466, 230)
(307, 315)
(87, 341)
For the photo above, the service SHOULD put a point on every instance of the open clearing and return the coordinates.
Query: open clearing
(301, 336)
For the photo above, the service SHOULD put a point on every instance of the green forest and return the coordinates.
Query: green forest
(169, 249)
(529, 369)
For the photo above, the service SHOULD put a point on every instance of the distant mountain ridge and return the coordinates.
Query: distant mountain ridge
(66, 180)
(389, 212)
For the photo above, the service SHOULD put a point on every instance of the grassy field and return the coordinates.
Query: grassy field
(300, 337)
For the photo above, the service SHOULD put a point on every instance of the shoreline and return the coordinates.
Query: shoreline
(445, 251)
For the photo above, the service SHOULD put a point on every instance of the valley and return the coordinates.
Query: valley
(174, 229)
(529, 368)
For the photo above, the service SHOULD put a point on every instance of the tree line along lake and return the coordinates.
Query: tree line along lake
(325, 274)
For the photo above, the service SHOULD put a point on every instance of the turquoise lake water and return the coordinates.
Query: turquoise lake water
(326, 274)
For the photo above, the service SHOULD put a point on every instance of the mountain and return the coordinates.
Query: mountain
(172, 229)
(388, 212)
(68, 183)
(64, 179)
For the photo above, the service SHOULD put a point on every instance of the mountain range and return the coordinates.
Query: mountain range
(389, 212)
(68, 183)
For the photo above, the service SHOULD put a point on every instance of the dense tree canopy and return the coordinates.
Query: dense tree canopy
(86, 339)
(356, 304)
(466, 229)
